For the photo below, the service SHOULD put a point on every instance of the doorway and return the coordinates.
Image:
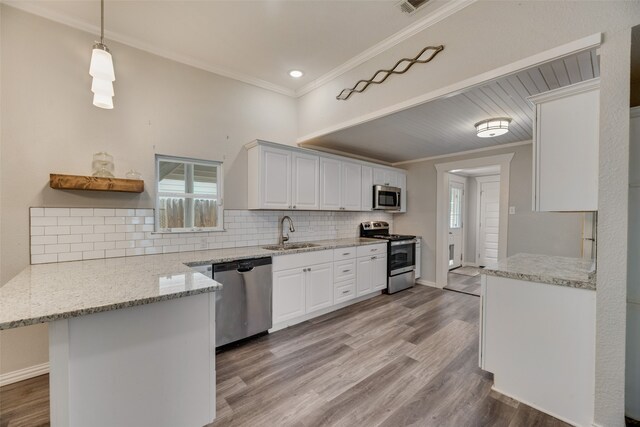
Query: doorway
(471, 219)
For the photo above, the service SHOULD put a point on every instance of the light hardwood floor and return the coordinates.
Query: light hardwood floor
(462, 283)
(394, 360)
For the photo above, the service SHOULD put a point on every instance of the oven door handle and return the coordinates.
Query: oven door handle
(403, 242)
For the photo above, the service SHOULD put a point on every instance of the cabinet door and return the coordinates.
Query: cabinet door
(330, 185)
(305, 184)
(364, 276)
(566, 141)
(351, 194)
(383, 176)
(288, 294)
(379, 273)
(367, 188)
(276, 178)
(319, 286)
(402, 183)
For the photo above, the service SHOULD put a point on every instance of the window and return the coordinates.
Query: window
(188, 195)
(455, 206)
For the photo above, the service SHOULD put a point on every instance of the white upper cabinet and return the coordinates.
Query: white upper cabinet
(565, 148)
(305, 176)
(270, 172)
(284, 178)
(402, 183)
(330, 184)
(351, 186)
(367, 188)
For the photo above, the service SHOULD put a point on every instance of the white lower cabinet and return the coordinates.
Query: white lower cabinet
(316, 282)
(288, 294)
(371, 274)
(319, 286)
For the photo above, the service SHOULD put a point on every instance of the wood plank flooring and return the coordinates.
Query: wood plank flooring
(462, 283)
(394, 360)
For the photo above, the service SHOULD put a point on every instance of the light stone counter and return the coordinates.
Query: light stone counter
(555, 270)
(49, 292)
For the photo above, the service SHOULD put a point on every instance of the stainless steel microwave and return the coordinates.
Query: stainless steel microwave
(386, 198)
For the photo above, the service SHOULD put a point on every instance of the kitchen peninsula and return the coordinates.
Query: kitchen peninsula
(131, 340)
(537, 333)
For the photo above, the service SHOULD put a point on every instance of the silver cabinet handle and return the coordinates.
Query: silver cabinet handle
(346, 271)
(374, 250)
(309, 269)
(294, 206)
(346, 292)
(374, 257)
(346, 253)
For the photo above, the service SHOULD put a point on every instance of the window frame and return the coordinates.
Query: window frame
(219, 196)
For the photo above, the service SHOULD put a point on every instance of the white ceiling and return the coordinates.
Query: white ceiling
(446, 125)
(255, 41)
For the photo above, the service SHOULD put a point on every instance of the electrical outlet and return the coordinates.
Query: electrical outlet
(512, 210)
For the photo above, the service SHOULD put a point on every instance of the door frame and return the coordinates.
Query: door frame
(442, 190)
(480, 180)
(461, 180)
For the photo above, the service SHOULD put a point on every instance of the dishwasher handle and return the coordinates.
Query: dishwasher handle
(244, 269)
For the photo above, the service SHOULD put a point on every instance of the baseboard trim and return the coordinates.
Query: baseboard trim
(24, 374)
(570, 422)
(426, 283)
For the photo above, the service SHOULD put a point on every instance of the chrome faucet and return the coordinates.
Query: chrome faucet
(284, 238)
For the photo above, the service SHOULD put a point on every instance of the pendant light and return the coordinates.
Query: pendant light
(493, 127)
(101, 69)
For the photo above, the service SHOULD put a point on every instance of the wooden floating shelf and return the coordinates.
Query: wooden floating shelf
(94, 183)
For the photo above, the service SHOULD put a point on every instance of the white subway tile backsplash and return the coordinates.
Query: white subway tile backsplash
(56, 212)
(43, 259)
(70, 256)
(89, 233)
(92, 220)
(69, 220)
(43, 221)
(36, 212)
(125, 212)
(93, 254)
(70, 238)
(81, 212)
(103, 212)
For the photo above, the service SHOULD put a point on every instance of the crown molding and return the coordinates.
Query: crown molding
(138, 44)
(427, 21)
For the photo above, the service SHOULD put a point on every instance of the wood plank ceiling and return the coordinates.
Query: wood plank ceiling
(446, 125)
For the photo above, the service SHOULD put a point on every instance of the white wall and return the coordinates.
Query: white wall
(50, 125)
(532, 232)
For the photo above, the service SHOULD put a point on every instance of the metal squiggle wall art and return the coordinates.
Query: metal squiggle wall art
(346, 93)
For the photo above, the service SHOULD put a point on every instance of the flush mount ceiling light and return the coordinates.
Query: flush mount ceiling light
(101, 69)
(493, 127)
(296, 74)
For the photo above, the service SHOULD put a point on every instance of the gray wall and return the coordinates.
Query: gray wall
(50, 125)
(532, 232)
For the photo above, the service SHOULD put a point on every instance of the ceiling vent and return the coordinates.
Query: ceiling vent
(410, 6)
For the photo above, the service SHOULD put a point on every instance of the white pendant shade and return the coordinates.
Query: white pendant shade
(101, 65)
(102, 87)
(493, 127)
(103, 101)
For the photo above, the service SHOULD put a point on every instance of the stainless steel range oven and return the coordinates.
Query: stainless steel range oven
(401, 255)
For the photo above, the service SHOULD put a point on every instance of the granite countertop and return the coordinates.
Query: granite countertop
(47, 292)
(555, 270)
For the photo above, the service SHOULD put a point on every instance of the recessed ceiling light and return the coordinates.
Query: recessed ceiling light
(296, 74)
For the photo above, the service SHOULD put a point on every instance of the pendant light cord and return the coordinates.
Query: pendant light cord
(101, 21)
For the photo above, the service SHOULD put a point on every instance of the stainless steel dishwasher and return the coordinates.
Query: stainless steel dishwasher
(243, 306)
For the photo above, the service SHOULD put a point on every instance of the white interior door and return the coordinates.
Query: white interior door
(489, 220)
(456, 212)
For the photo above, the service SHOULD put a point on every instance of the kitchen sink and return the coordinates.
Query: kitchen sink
(289, 246)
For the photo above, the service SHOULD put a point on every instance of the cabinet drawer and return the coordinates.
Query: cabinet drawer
(377, 249)
(285, 262)
(344, 253)
(344, 270)
(344, 291)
